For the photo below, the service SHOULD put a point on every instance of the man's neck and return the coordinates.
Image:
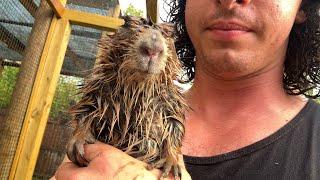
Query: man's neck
(228, 115)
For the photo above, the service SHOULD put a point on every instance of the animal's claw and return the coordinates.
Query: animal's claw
(168, 167)
(75, 150)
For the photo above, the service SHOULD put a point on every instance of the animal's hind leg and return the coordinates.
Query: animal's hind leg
(172, 147)
(75, 146)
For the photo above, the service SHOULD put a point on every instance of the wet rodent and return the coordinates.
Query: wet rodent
(130, 101)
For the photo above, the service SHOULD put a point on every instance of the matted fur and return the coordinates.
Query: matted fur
(138, 112)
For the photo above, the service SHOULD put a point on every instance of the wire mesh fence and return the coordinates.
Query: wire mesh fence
(101, 7)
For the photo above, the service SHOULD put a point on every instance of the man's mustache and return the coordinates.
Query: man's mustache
(223, 13)
(227, 14)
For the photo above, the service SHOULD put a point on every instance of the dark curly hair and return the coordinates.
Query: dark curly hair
(302, 64)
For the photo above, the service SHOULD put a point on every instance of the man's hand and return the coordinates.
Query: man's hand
(107, 162)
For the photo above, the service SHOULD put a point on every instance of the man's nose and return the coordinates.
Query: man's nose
(229, 4)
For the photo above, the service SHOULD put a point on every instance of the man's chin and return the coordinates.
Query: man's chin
(224, 70)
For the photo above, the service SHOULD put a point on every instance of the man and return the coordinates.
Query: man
(245, 122)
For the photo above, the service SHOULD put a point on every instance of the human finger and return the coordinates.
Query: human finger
(92, 151)
(109, 160)
(112, 162)
(66, 170)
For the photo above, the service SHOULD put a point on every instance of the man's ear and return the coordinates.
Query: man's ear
(300, 17)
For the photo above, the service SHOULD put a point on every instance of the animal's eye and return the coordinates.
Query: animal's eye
(139, 29)
(145, 26)
(144, 21)
(156, 27)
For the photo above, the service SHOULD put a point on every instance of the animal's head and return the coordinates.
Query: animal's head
(142, 45)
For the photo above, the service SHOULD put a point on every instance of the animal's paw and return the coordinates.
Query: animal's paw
(167, 165)
(75, 149)
(170, 166)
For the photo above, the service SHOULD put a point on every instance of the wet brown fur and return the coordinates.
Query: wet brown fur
(140, 113)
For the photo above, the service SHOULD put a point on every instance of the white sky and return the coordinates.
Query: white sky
(141, 4)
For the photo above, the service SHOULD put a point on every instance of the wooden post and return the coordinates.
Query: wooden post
(152, 10)
(41, 99)
(11, 126)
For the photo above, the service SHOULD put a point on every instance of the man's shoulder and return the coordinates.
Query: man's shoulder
(312, 110)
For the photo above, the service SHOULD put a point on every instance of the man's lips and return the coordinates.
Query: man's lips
(227, 30)
(228, 26)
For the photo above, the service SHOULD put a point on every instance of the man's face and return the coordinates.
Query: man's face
(233, 39)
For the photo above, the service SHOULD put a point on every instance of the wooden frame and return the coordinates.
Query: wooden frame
(57, 7)
(47, 77)
(152, 10)
(84, 18)
(93, 20)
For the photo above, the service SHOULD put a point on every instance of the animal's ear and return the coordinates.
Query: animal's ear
(130, 21)
(168, 29)
(149, 21)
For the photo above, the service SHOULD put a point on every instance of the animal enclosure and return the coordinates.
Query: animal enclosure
(46, 48)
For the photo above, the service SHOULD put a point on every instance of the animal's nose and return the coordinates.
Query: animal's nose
(150, 51)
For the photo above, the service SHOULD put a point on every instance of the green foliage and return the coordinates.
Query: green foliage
(7, 81)
(65, 95)
(132, 11)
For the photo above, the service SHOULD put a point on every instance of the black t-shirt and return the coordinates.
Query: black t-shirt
(291, 153)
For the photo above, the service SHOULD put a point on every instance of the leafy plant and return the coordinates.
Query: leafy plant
(132, 11)
(65, 95)
(8, 79)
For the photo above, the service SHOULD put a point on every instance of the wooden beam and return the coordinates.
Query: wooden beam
(41, 99)
(10, 40)
(57, 7)
(30, 6)
(93, 20)
(152, 10)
